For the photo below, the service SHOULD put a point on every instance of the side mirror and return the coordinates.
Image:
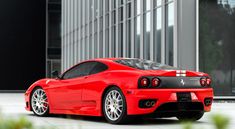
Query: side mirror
(55, 74)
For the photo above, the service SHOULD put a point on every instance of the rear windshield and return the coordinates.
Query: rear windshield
(144, 64)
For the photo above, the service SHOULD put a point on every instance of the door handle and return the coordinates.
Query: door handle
(85, 77)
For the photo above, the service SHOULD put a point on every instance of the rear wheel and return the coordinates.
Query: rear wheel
(192, 116)
(114, 106)
(39, 102)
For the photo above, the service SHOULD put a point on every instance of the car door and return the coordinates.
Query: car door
(94, 83)
(65, 93)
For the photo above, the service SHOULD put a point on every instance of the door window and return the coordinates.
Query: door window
(80, 70)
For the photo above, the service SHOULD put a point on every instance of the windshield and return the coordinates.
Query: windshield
(144, 64)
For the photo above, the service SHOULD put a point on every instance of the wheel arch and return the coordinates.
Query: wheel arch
(30, 94)
(103, 93)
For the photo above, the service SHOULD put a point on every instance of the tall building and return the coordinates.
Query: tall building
(173, 32)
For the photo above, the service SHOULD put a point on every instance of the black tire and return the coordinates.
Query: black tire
(190, 116)
(123, 118)
(46, 112)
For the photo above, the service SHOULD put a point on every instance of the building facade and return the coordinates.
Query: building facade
(53, 36)
(166, 31)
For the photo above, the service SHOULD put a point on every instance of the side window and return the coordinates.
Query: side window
(99, 67)
(80, 70)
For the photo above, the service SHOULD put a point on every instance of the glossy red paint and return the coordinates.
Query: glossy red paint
(83, 95)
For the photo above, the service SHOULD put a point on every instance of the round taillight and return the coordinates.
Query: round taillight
(144, 82)
(208, 81)
(155, 82)
(203, 81)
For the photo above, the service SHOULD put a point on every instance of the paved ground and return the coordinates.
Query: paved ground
(12, 105)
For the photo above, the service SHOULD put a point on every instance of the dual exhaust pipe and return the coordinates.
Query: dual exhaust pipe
(147, 103)
(150, 103)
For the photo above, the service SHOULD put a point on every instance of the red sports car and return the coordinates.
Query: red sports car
(119, 88)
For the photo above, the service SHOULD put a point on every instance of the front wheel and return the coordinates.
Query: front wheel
(114, 106)
(192, 116)
(39, 102)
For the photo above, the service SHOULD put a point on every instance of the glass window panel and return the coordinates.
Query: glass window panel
(113, 41)
(86, 47)
(158, 34)
(120, 14)
(169, 33)
(90, 44)
(91, 9)
(96, 8)
(113, 4)
(101, 23)
(107, 42)
(106, 5)
(120, 40)
(147, 24)
(120, 2)
(95, 26)
(90, 28)
(157, 3)
(101, 7)
(128, 10)
(128, 39)
(147, 5)
(137, 7)
(106, 21)
(101, 44)
(113, 17)
(95, 45)
(137, 37)
(217, 43)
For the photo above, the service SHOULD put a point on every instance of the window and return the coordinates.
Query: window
(157, 34)
(128, 38)
(137, 37)
(79, 70)
(147, 28)
(137, 7)
(143, 64)
(147, 5)
(113, 41)
(169, 33)
(99, 67)
(217, 43)
(120, 40)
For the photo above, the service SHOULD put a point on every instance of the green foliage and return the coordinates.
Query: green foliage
(187, 125)
(21, 123)
(220, 121)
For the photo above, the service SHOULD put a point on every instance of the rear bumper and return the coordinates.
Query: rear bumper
(163, 96)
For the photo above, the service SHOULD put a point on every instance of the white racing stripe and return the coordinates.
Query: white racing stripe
(181, 73)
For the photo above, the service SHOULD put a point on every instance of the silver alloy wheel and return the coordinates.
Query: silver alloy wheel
(113, 105)
(39, 102)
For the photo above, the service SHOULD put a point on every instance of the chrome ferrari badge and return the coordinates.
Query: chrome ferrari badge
(182, 82)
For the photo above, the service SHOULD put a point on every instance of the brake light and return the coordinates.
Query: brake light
(155, 82)
(144, 82)
(208, 81)
(203, 81)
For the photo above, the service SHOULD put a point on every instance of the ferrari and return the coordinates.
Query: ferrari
(121, 88)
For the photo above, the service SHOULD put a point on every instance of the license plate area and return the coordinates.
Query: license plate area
(184, 97)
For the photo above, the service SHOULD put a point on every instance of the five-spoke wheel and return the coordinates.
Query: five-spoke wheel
(39, 102)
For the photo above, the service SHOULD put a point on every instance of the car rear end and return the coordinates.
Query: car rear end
(167, 93)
